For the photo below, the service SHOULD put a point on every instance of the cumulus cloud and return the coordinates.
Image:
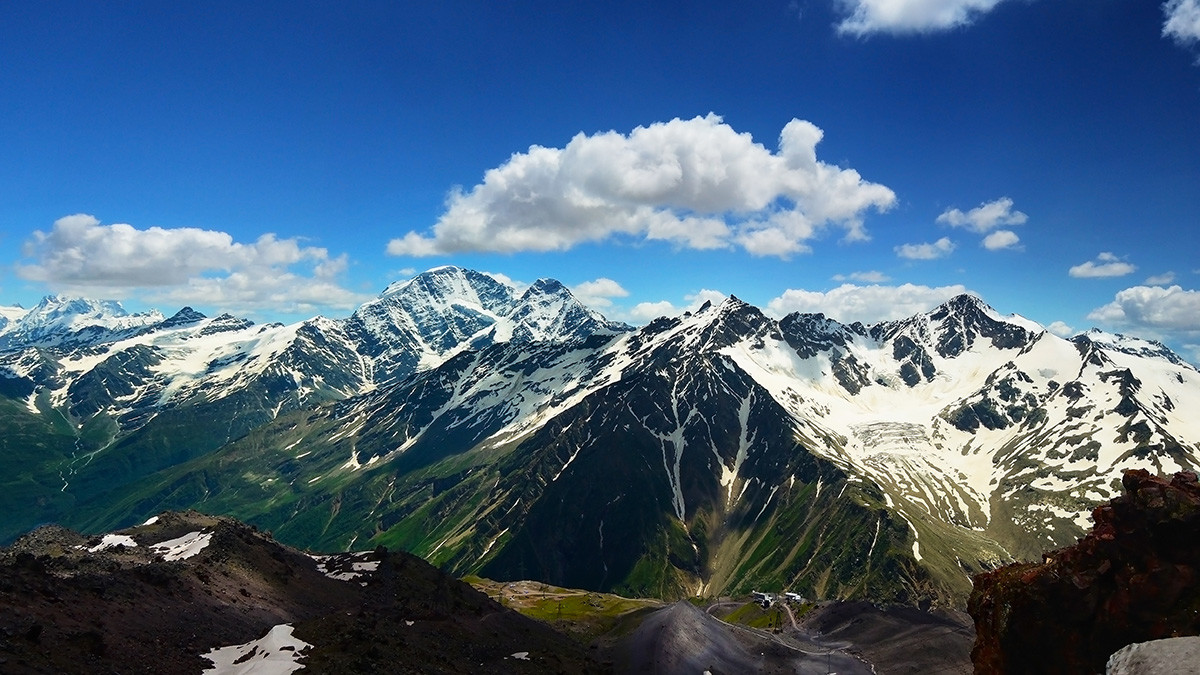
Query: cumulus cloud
(646, 311)
(910, 16)
(187, 265)
(1105, 265)
(869, 304)
(938, 249)
(1182, 22)
(1153, 310)
(985, 217)
(1161, 279)
(598, 293)
(1000, 240)
(869, 277)
(695, 183)
(1060, 329)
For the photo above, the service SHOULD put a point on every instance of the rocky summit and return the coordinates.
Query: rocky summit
(1132, 579)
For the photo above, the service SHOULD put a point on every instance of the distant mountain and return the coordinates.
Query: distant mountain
(59, 321)
(10, 314)
(714, 452)
(92, 397)
(419, 323)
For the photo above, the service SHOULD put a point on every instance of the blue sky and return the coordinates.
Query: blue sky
(866, 158)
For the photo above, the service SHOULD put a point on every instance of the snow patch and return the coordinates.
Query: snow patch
(111, 540)
(182, 548)
(276, 653)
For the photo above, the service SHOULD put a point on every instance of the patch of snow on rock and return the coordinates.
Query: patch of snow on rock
(276, 653)
(111, 540)
(183, 547)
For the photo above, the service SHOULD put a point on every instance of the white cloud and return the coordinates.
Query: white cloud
(938, 249)
(1060, 329)
(1105, 265)
(515, 284)
(598, 293)
(1182, 22)
(868, 304)
(646, 311)
(910, 16)
(1153, 309)
(985, 217)
(1161, 279)
(1001, 240)
(696, 183)
(869, 277)
(187, 265)
(696, 300)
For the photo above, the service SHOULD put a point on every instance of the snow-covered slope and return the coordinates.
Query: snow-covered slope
(126, 395)
(724, 449)
(707, 452)
(9, 315)
(61, 321)
(91, 357)
(419, 323)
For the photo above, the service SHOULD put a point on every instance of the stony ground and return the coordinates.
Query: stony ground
(67, 609)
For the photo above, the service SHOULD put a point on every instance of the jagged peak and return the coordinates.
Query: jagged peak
(966, 301)
(967, 307)
(1126, 344)
(435, 274)
(729, 321)
(183, 317)
(970, 305)
(818, 322)
(65, 314)
(57, 305)
(547, 286)
(733, 303)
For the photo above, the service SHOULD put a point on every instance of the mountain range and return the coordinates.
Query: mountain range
(519, 434)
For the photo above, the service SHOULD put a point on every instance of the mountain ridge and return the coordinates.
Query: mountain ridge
(714, 451)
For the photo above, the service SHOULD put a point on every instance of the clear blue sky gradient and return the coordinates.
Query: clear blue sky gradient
(345, 125)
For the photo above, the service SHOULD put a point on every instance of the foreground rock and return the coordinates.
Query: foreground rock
(1180, 656)
(166, 596)
(1132, 579)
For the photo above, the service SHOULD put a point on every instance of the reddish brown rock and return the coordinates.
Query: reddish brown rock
(1132, 579)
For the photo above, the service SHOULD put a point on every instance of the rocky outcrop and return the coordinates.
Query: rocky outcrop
(173, 594)
(1132, 579)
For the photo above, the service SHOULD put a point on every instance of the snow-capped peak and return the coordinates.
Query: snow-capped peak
(447, 281)
(58, 319)
(10, 315)
(1127, 344)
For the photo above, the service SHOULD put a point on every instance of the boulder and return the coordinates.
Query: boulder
(1177, 656)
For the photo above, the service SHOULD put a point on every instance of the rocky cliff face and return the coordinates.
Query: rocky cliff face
(1132, 579)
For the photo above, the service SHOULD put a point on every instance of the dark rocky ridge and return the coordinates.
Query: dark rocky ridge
(1132, 579)
(66, 609)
